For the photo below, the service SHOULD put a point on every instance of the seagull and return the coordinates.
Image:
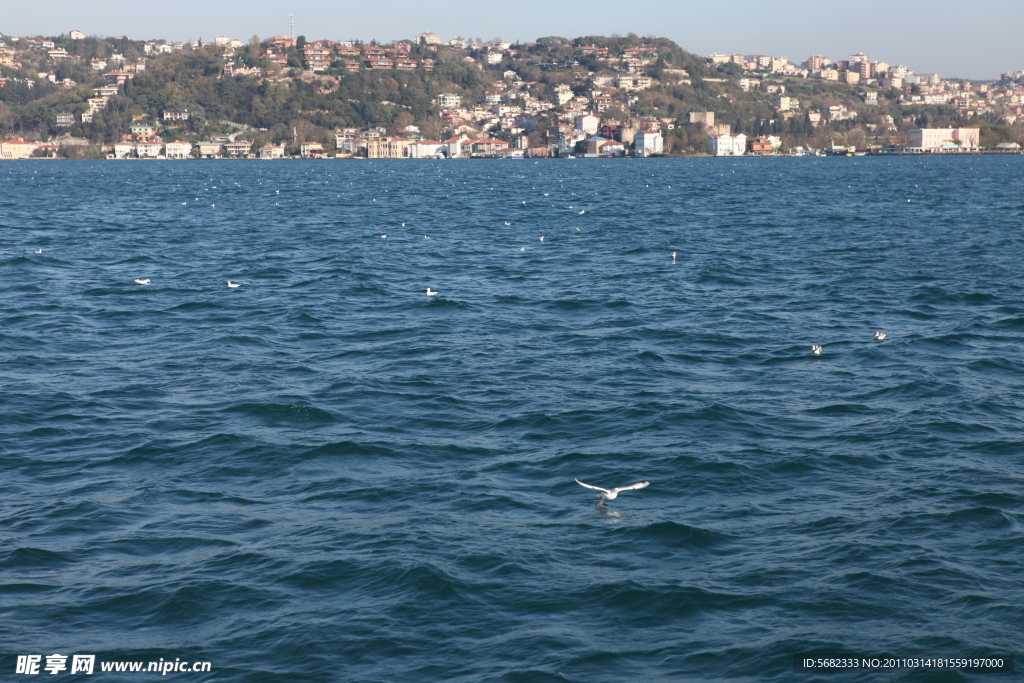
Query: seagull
(383, 237)
(425, 237)
(431, 292)
(816, 349)
(507, 223)
(144, 281)
(233, 284)
(403, 224)
(879, 336)
(542, 238)
(522, 248)
(673, 257)
(614, 493)
(39, 251)
(582, 212)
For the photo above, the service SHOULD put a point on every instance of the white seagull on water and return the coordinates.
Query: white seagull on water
(816, 349)
(614, 493)
(233, 284)
(431, 292)
(879, 336)
(142, 281)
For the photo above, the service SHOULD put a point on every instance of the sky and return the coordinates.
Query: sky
(976, 40)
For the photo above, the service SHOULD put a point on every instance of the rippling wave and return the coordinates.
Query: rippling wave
(324, 474)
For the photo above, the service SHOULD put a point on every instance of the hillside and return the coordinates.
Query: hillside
(262, 93)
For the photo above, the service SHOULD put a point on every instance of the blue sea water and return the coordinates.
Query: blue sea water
(326, 475)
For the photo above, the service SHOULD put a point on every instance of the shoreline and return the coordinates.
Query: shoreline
(658, 156)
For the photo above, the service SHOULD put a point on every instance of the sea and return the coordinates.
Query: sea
(325, 474)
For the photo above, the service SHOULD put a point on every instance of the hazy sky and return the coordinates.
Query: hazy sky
(978, 39)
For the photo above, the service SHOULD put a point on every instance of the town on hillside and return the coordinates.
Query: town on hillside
(79, 96)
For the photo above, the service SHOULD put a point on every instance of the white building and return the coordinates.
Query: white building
(425, 149)
(210, 149)
(178, 150)
(944, 139)
(727, 145)
(447, 99)
(783, 103)
(123, 150)
(149, 150)
(567, 142)
(458, 146)
(588, 123)
(648, 142)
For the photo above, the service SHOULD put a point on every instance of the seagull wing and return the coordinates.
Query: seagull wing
(596, 488)
(638, 485)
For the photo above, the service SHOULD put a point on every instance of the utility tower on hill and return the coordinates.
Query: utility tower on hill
(291, 22)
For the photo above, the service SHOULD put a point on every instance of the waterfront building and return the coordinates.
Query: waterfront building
(210, 150)
(17, 149)
(944, 139)
(240, 148)
(727, 145)
(123, 150)
(425, 149)
(386, 148)
(178, 150)
(648, 142)
(272, 152)
(148, 150)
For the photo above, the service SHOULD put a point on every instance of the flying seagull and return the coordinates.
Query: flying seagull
(614, 493)
(879, 336)
(816, 349)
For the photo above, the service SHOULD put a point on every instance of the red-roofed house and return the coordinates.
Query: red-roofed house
(316, 57)
(17, 149)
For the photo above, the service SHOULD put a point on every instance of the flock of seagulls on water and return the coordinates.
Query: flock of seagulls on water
(147, 281)
(604, 494)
